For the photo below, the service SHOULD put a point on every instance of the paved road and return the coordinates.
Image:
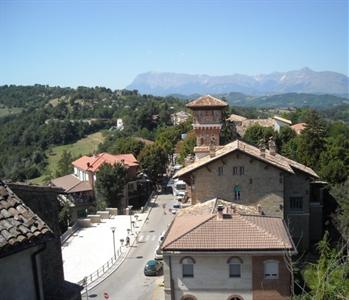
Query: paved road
(128, 281)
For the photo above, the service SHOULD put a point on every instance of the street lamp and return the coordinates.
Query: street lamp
(129, 212)
(113, 231)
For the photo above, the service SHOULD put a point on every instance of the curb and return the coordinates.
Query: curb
(93, 284)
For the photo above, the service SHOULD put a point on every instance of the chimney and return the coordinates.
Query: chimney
(123, 162)
(88, 165)
(272, 146)
(262, 148)
(259, 209)
(220, 209)
(212, 147)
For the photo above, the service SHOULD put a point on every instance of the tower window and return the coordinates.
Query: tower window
(242, 170)
(220, 171)
(235, 170)
(296, 203)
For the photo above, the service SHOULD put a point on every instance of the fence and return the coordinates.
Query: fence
(71, 230)
(87, 280)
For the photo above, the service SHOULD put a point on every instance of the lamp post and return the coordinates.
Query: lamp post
(113, 231)
(129, 212)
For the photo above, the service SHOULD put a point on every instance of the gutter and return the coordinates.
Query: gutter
(37, 272)
(171, 280)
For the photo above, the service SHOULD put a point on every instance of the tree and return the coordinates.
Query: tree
(186, 147)
(153, 160)
(256, 133)
(328, 277)
(110, 183)
(126, 145)
(64, 164)
(341, 193)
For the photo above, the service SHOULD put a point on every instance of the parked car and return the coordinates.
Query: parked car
(153, 268)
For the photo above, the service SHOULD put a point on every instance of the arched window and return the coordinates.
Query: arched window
(235, 297)
(271, 269)
(234, 266)
(187, 266)
(188, 297)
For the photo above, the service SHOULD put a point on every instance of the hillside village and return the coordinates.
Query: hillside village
(215, 207)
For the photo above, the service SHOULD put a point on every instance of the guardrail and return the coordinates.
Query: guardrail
(87, 280)
(71, 230)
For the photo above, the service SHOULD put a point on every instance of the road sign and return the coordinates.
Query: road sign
(106, 295)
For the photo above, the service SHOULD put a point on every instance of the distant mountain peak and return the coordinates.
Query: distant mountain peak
(304, 80)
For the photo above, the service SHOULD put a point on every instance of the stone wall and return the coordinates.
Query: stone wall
(297, 220)
(270, 289)
(260, 183)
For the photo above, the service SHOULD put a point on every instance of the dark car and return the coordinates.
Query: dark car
(153, 268)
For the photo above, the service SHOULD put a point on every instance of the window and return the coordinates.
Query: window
(271, 269)
(296, 203)
(187, 266)
(220, 171)
(237, 192)
(242, 170)
(234, 267)
(235, 170)
(251, 181)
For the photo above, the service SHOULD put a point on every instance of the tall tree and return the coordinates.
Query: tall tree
(110, 183)
(64, 165)
(153, 160)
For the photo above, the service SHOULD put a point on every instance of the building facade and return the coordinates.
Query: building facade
(228, 258)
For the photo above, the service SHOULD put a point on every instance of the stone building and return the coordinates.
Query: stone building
(259, 177)
(207, 122)
(227, 255)
(30, 248)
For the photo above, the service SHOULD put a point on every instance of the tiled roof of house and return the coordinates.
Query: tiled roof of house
(71, 184)
(92, 163)
(210, 207)
(206, 101)
(20, 227)
(276, 160)
(234, 232)
(236, 118)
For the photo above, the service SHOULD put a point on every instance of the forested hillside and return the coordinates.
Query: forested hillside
(49, 116)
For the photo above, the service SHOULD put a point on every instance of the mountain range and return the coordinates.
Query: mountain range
(299, 81)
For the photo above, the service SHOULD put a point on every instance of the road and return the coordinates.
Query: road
(128, 281)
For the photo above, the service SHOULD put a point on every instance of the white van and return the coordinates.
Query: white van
(179, 188)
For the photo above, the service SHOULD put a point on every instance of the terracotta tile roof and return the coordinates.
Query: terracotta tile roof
(206, 101)
(92, 163)
(233, 232)
(71, 184)
(20, 227)
(210, 206)
(299, 127)
(276, 160)
(236, 118)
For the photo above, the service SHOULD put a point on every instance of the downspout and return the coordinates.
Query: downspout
(171, 280)
(37, 272)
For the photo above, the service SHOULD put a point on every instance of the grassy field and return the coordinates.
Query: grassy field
(85, 146)
(5, 111)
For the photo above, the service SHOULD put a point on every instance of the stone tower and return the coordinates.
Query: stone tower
(207, 123)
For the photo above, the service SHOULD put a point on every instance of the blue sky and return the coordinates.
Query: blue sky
(107, 43)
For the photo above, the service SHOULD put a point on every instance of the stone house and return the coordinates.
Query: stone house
(244, 174)
(248, 175)
(227, 255)
(30, 248)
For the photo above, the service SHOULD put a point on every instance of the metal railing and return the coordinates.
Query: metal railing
(70, 231)
(87, 280)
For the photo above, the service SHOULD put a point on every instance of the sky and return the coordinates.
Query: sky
(108, 43)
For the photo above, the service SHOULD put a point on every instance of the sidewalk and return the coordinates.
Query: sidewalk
(90, 248)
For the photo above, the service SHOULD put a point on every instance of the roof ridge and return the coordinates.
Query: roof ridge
(261, 229)
(190, 230)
